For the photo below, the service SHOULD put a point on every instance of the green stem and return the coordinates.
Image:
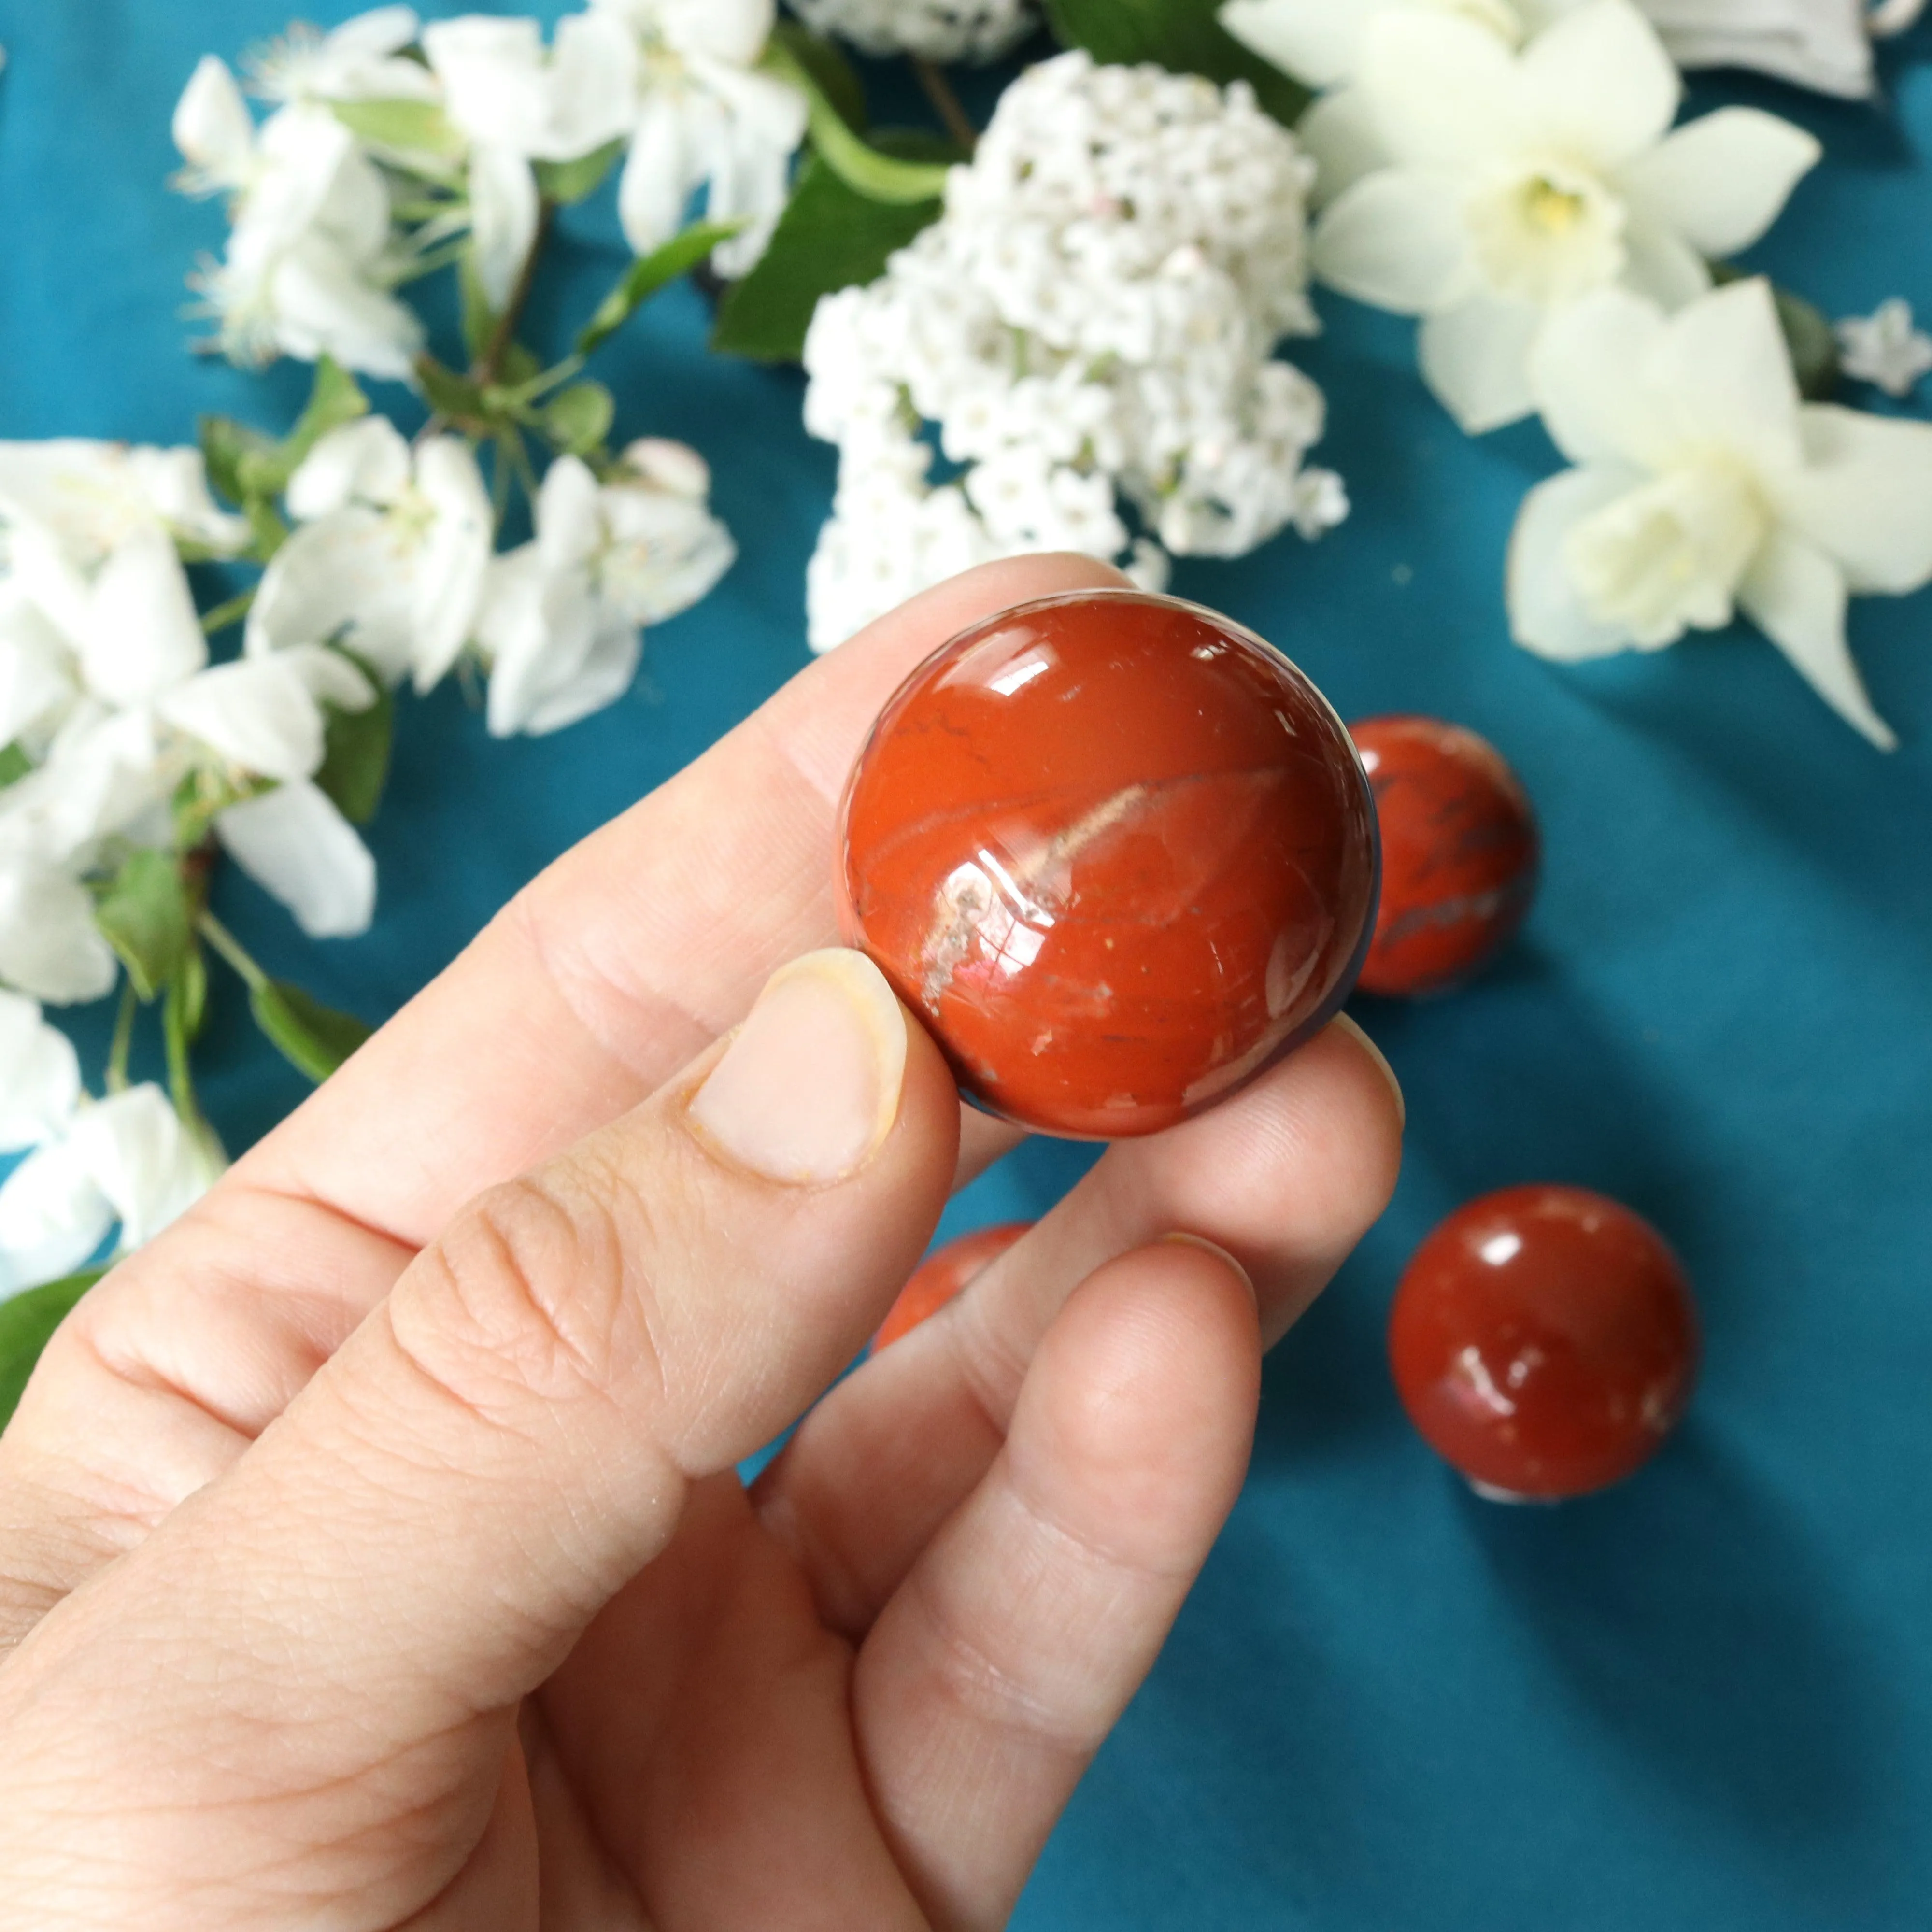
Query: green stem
(181, 1079)
(432, 263)
(500, 475)
(946, 104)
(232, 949)
(218, 620)
(123, 1039)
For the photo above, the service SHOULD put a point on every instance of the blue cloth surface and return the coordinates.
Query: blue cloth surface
(1700, 1703)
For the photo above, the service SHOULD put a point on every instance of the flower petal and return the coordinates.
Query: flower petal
(1795, 596)
(136, 1149)
(1720, 181)
(454, 559)
(294, 844)
(50, 946)
(1546, 615)
(659, 174)
(367, 460)
(323, 306)
(1318, 41)
(256, 713)
(36, 673)
(1723, 370)
(601, 677)
(39, 1075)
(1396, 238)
(142, 633)
(1444, 87)
(1865, 495)
(1598, 85)
(502, 217)
(213, 128)
(1340, 132)
(1475, 357)
(340, 574)
(53, 1217)
(1587, 374)
(1661, 266)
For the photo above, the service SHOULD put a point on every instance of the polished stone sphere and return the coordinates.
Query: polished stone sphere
(1117, 852)
(1459, 851)
(1544, 1342)
(942, 1275)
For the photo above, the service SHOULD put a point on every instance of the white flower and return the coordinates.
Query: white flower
(1884, 348)
(705, 117)
(1092, 320)
(39, 1075)
(1704, 486)
(560, 625)
(518, 102)
(303, 275)
(295, 843)
(389, 555)
(935, 30)
(359, 61)
(1480, 186)
(1824, 47)
(127, 1159)
(50, 946)
(91, 495)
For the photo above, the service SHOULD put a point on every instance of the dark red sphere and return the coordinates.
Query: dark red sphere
(1544, 1341)
(940, 1276)
(1118, 853)
(1460, 851)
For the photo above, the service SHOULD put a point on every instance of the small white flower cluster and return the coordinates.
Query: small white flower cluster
(1092, 319)
(110, 704)
(938, 30)
(129, 1158)
(1885, 349)
(389, 138)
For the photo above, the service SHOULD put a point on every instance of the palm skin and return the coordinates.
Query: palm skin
(370, 1552)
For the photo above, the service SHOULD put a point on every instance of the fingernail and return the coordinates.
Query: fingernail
(1375, 1054)
(810, 1086)
(1214, 1248)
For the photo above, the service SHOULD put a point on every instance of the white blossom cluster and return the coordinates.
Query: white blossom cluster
(1092, 319)
(938, 30)
(128, 1159)
(389, 139)
(109, 699)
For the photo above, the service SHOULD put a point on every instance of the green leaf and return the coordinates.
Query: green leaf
(143, 914)
(186, 1006)
(649, 273)
(577, 419)
(355, 753)
(566, 183)
(1183, 36)
(335, 398)
(27, 1324)
(877, 175)
(829, 238)
(449, 394)
(14, 765)
(823, 60)
(404, 126)
(271, 532)
(314, 1039)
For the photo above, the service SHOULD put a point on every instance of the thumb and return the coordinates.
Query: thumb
(507, 1439)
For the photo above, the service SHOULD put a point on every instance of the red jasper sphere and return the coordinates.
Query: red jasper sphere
(1544, 1341)
(1459, 852)
(940, 1276)
(1116, 851)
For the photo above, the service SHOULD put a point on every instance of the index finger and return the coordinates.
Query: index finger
(617, 964)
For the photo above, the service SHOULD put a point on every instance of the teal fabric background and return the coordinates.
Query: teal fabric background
(1702, 1703)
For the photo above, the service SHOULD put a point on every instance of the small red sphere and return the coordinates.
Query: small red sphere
(1459, 852)
(940, 1276)
(1116, 851)
(1544, 1341)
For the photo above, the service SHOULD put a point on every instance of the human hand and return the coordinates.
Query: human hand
(371, 1552)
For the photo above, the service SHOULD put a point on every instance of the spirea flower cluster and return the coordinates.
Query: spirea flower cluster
(939, 30)
(1089, 327)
